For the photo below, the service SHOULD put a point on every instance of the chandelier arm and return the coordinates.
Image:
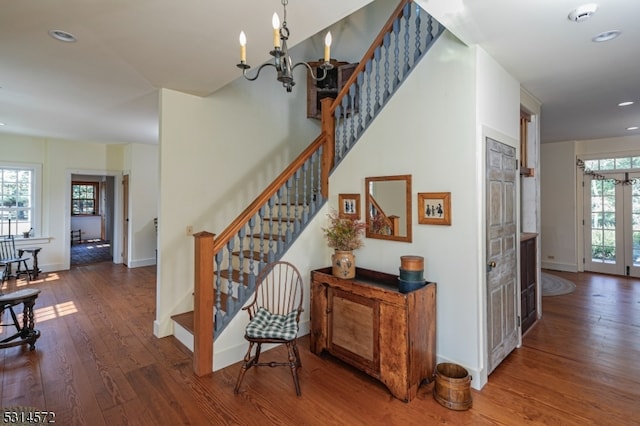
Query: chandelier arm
(324, 67)
(244, 71)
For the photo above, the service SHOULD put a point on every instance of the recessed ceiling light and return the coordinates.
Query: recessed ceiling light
(1, 124)
(632, 128)
(62, 36)
(582, 13)
(625, 103)
(606, 36)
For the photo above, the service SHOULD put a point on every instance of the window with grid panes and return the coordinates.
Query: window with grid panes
(84, 198)
(17, 198)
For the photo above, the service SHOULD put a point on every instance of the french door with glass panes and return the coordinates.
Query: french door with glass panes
(612, 224)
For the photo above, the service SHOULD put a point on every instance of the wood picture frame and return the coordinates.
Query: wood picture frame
(434, 208)
(349, 205)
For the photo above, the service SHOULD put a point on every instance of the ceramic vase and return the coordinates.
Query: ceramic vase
(344, 264)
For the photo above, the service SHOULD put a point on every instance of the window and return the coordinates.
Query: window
(84, 198)
(610, 164)
(18, 195)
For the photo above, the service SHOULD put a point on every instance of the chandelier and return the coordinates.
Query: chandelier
(281, 60)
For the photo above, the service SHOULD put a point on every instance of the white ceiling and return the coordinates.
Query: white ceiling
(104, 86)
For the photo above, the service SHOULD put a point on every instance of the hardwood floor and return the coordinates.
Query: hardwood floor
(97, 363)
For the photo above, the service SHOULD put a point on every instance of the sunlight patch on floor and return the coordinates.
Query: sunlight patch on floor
(55, 311)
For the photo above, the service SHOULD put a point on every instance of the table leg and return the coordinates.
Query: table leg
(36, 270)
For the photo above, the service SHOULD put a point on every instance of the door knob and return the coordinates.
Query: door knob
(491, 265)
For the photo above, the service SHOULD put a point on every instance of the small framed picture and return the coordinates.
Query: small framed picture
(434, 208)
(349, 205)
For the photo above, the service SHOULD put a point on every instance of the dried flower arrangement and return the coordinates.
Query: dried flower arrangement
(344, 233)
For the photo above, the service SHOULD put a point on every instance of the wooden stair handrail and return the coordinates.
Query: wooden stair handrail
(388, 26)
(392, 221)
(253, 208)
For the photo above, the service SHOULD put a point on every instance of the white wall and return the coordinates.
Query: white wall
(141, 164)
(89, 226)
(558, 238)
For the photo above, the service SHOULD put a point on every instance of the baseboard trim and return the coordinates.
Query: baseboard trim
(183, 335)
(142, 262)
(565, 267)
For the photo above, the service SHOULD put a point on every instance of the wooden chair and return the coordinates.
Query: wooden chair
(274, 315)
(9, 256)
(76, 236)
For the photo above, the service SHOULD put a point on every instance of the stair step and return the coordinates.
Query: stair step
(268, 237)
(279, 219)
(185, 320)
(287, 209)
(235, 276)
(248, 254)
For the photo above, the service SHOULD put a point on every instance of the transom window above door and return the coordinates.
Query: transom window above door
(84, 198)
(619, 163)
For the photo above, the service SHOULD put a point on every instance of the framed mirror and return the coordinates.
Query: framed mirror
(388, 213)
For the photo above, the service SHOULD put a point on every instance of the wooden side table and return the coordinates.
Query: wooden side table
(33, 273)
(368, 323)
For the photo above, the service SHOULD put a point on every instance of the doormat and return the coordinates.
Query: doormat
(553, 285)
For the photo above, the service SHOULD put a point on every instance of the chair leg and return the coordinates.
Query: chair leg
(256, 358)
(247, 364)
(295, 351)
(293, 363)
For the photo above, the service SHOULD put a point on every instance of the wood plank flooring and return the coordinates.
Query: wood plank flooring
(98, 363)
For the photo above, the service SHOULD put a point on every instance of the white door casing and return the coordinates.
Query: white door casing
(612, 224)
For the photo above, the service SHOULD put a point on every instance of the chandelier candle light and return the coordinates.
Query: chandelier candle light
(282, 61)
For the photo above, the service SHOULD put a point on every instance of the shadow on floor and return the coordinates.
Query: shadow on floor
(91, 251)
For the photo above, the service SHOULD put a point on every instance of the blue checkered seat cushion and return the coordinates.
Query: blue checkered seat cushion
(266, 325)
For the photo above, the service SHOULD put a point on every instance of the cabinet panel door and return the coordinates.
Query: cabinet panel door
(353, 329)
(528, 298)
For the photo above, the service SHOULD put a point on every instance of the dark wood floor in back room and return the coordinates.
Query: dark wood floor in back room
(98, 363)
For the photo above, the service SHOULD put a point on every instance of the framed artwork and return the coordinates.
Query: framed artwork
(434, 208)
(349, 205)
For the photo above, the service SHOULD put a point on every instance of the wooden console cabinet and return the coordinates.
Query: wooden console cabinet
(369, 324)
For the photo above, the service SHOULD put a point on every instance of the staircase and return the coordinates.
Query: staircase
(226, 265)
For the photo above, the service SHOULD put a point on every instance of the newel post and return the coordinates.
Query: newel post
(203, 304)
(329, 128)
